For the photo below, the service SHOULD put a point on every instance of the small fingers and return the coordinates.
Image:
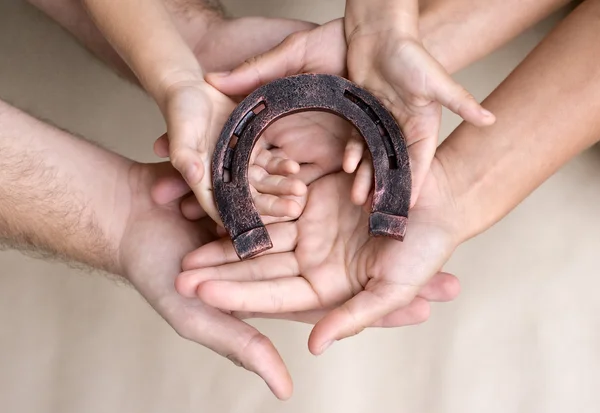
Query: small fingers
(276, 165)
(354, 152)
(265, 183)
(277, 207)
(363, 182)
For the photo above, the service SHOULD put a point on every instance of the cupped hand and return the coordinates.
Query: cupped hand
(388, 59)
(155, 240)
(400, 72)
(327, 262)
(195, 113)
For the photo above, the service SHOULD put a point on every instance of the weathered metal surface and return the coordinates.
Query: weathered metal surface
(309, 92)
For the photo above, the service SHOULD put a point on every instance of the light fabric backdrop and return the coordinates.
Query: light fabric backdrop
(522, 337)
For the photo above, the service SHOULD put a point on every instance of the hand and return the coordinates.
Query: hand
(156, 239)
(327, 257)
(195, 114)
(285, 141)
(324, 50)
(385, 56)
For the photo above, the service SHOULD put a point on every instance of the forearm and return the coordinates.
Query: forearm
(547, 112)
(460, 32)
(381, 15)
(60, 195)
(145, 36)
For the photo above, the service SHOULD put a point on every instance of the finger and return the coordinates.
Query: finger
(282, 166)
(275, 184)
(239, 342)
(379, 299)
(456, 98)
(265, 268)
(282, 61)
(353, 153)
(271, 296)
(161, 146)
(421, 148)
(363, 182)
(416, 312)
(442, 287)
(191, 209)
(168, 186)
(284, 237)
(277, 207)
(276, 165)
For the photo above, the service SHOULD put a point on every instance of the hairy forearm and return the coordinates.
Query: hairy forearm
(547, 112)
(146, 37)
(60, 195)
(460, 32)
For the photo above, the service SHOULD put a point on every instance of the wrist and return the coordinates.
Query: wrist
(173, 79)
(476, 208)
(380, 16)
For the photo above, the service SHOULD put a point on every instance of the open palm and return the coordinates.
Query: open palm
(326, 259)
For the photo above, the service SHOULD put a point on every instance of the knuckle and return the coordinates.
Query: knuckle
(354, 326)
(252, 349)
(185, 329)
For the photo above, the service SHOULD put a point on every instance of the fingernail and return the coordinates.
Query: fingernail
(326, 346)
(221, 74)
(486, 113)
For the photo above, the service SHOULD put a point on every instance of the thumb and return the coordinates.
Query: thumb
(284, 60)
(456, 98)
(320, 50)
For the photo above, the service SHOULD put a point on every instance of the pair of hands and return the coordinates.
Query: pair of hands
(324, 267)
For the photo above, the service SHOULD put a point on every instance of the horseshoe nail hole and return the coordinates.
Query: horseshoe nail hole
(233, 141)
(226, 175)
(385, 137)
(259, 108)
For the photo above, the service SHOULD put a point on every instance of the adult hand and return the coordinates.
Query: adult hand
(327, 257)
(156, 238)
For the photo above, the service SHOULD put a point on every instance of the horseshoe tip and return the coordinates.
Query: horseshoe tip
(252, 243)
(386, 225)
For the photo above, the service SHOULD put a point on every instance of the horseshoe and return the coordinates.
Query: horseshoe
(301, 93)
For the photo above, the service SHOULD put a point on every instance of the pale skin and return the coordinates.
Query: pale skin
(477, 176)
(275, 376)
(127, 221)
(166, 50)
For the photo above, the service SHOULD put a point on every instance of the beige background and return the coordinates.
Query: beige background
(523, 336)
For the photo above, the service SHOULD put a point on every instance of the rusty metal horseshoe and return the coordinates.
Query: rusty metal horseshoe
(300, 93)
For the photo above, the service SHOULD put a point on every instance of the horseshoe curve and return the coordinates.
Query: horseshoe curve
(300, 93)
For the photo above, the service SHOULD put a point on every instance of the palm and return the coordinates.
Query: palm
(196, 114)
(331, 259)
(402, 79)
(156, 239)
